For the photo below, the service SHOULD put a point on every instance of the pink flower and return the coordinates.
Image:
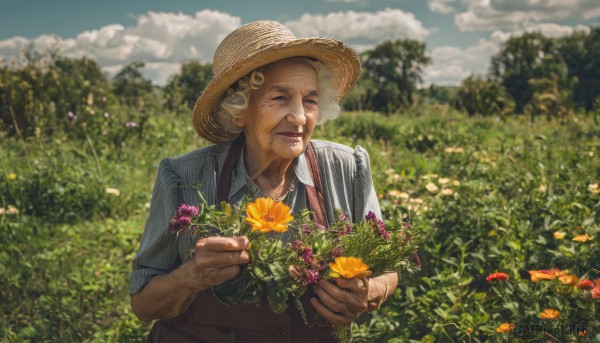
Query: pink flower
(377, 225)
(187, 211)
(309, 277)
(337, 252)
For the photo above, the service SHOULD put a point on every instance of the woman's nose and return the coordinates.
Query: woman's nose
(296, 114)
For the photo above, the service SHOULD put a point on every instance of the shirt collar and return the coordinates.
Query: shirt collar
(239, 173)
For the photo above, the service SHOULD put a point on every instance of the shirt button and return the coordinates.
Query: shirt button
(279, 331)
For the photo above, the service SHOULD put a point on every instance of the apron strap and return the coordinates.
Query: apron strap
(316, 200)
(315, 193)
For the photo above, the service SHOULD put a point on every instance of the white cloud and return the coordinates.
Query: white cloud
(450, 65)
(164, 39)
(489, 15)
(161, 39)
(373, 26)
(442, 6)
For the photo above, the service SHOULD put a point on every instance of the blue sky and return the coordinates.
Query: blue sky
(461, 35)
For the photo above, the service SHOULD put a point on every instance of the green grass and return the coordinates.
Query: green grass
(66, 257)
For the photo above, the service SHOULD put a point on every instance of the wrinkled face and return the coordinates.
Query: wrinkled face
(282, 113)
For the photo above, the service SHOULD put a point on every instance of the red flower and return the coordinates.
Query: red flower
(586, 284)
(497, 276)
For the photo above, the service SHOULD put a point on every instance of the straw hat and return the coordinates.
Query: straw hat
(259, 43)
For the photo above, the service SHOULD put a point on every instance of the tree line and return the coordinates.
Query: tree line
(531, 74)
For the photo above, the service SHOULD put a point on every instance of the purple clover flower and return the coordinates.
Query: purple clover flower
(306, 229)
(187, 211)
(296, 245)
(307, 255)
(337, 252)
(182, 220)
(417, 260)
(131, 124)
(377, 225)
(310, 277)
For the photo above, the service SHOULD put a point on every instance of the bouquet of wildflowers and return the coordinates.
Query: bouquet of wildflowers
(281, 272)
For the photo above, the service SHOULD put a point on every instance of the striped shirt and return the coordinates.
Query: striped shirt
(345, 175)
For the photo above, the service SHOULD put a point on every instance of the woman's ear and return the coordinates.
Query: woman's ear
(241, 120)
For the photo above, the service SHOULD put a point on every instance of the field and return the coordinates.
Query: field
(491, 194)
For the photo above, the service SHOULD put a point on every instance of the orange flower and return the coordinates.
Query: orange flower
(504, 328)
(582, 238)
(546, 274)
(266, 215)
(469, 330)
(569, 279)
(349, 267)
(497, 276)
(549, 313)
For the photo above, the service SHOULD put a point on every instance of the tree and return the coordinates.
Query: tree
(130, 85)
(581, 53)
(184, 88)
(480, 97)
(396, 68)
(530, 56)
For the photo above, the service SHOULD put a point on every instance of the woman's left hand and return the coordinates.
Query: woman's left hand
(342, 301)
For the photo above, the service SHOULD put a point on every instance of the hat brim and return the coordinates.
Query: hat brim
(340, 59)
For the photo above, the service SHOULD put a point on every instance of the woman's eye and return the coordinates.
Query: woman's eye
(311, 102)
(279, 98)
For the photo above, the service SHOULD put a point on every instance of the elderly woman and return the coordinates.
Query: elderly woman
(269, 91)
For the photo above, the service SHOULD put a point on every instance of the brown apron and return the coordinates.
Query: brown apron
(208, 320)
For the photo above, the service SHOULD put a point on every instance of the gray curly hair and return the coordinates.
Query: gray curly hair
(236, 98)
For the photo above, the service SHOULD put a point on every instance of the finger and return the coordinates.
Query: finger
(223, 243)
(216, 276)
(330, 316)
(205, 259)
(353, 285)
(339, 294)
(333, 304)
(356, 294)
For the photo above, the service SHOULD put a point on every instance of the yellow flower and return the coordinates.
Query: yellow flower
(455, 183)
(549, 313)
(228, 209)
(569, 279)
(504, 328)
(113, 191)
(349, 267)
(582, 238)
(11, 210)
(2, 211)
(443, 180)
(593, 188)
(12, 177)
(432, 187)
(454, 149)
(267, 215)
(428, 176)
(542, 188)
(394, 193)
(469, 330)
(447, 191)
(559, 234)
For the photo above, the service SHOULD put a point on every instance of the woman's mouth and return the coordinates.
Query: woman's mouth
(291, 134)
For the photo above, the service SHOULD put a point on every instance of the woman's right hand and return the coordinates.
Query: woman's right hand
(218, 259)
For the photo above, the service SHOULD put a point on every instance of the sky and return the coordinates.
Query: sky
(461, 35)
